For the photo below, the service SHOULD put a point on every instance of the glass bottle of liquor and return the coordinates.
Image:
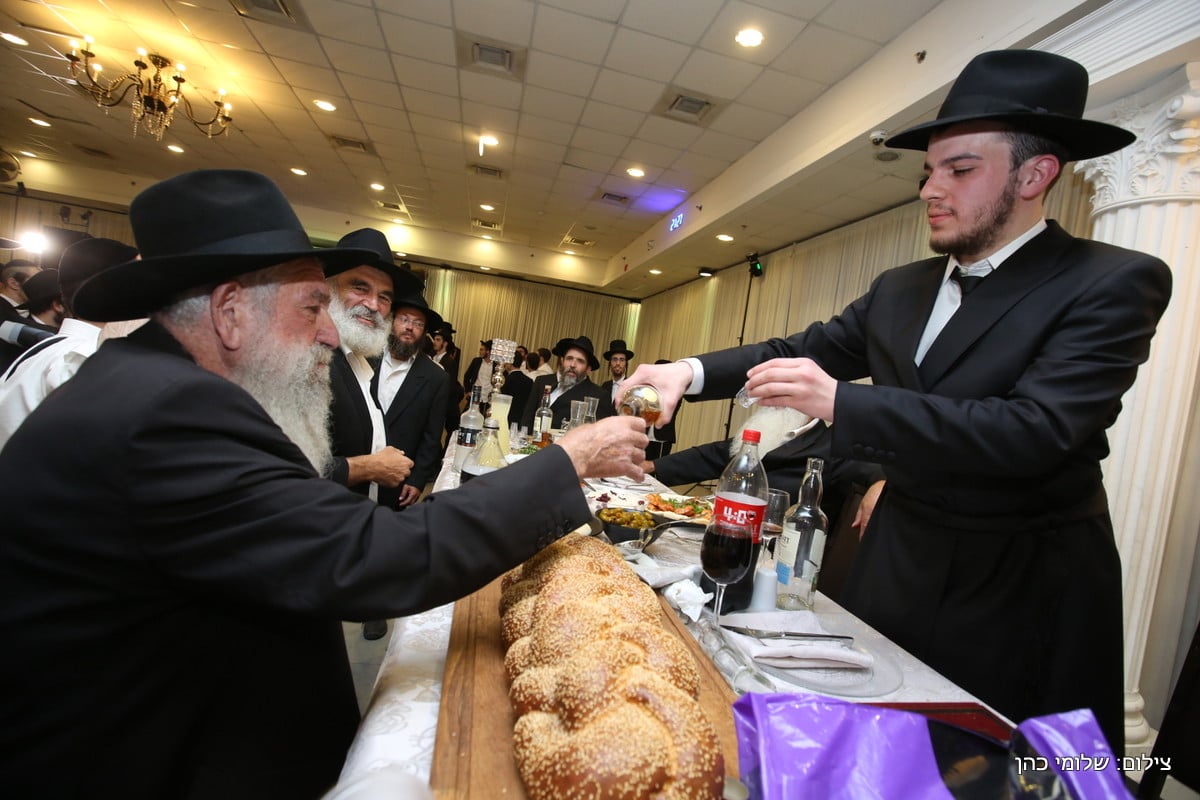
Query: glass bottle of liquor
(802, 545)
(486, 457)
(642, 401)
(470, 425)
(543, 421)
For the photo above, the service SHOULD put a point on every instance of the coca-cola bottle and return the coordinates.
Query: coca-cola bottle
(741, 498)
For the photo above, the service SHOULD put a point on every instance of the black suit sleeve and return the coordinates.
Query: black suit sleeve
(427, 457)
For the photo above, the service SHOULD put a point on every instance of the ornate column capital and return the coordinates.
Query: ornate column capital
(1164, 162)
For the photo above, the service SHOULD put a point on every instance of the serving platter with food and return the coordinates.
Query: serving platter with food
(679, 506)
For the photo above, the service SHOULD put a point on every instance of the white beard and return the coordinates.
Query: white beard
(364, 341)
(292, 386)
(777, 424)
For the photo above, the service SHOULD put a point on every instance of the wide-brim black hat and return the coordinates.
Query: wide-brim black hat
(433, 320)
(9, 244)
(618, 346)
(579, 343)
(404, 281)
(1031, 90)
(41, 287)
(198, 229)
(89, 257)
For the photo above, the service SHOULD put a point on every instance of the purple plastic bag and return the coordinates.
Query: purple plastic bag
(799, 745)
(804, 745)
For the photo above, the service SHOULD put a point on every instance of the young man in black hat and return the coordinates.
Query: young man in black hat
(174, 569)
(618, 357)
(412, 392)
(43, 301)
(995, 371)
(576, 360)
(50, 363)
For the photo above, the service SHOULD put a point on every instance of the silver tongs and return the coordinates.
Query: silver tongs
(798, 636)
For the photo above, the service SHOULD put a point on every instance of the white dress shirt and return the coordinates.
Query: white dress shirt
(27, 382)
(364, 373)
(391, 377)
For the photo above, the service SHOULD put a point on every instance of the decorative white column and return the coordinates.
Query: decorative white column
(1148, 198)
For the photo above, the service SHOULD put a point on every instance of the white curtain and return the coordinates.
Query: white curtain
(536, 315)
(20, 216)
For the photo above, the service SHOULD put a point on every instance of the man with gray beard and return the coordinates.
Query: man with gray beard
(576, 360)
(174, 570)
(412, 392)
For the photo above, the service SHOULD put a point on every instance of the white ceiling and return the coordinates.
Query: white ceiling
(596, 73)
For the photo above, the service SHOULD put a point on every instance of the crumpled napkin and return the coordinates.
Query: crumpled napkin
(658, 576)
(793, 653)
(688, 597)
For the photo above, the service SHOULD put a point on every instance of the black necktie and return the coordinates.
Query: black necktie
(965, 282)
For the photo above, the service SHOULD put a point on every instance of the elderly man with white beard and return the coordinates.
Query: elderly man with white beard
(174, 570)
(361, 307)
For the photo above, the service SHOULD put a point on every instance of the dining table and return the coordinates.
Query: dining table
(399, 728)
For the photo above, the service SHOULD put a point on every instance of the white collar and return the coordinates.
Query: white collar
(993, 262)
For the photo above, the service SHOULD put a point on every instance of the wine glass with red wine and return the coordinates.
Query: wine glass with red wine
(725, 555)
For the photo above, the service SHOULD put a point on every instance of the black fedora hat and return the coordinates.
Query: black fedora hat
(445, 330)
(579, 343)
(41, 288)
(9, 244)
(433, 320)
(1031, 90)
(197, 229)
(404, 281)
(617, 346)
(86, 259)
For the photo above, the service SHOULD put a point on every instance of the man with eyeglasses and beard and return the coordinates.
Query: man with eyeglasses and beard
(174, 567)
(412, 392)
(576, 360)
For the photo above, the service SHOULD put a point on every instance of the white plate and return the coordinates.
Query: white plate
(882, 677)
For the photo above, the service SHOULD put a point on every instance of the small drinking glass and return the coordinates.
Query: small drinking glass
(578, 412)
(593, 403)
(744, 399)
(642, 401)
(725, 555)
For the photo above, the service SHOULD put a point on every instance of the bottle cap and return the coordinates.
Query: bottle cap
(749, 435)
(491, 422)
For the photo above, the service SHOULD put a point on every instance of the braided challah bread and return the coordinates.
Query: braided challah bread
(605, 696)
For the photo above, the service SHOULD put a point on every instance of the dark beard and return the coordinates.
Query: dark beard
(400, 350)
(981, 238)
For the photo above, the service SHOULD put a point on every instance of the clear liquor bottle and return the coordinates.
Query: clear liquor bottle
(801, 547)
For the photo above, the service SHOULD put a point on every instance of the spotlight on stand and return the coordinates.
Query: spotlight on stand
(705, 272)
(756, 267)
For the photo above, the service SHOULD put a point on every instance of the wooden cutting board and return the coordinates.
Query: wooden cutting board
(472, 754)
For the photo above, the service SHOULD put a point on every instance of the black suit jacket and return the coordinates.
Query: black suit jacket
(10, 352)
(518, 386)
(785, 467)
(350, 421)
(991, 554)
(170, 616)
(471, 374)
(414, 421)
(562, 406)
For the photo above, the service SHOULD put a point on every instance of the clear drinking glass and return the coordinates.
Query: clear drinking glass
(578, 412)
(772, 525)
(725, 555)
(593, 403)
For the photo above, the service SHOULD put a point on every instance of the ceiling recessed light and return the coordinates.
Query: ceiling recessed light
(487, 236)
(12, 37)
(398, 221)
(486, 207)
(41, 122)
(486, 269)
(705, 272)
(569, 252)
(27, 154)
(379, 187)
(636, 172)
(749, 37)
(174, 148)
(724, 237)
(401, 255)
(656, 272)
(324, 105)
(489, 140)
(298, 171)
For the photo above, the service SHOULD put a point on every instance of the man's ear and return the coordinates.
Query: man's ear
(1037, 175)
(228, 311)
